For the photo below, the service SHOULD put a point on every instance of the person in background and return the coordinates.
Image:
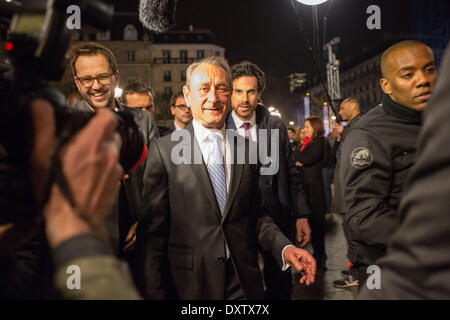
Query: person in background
(182, 114)
(291, 133)
(309, 159)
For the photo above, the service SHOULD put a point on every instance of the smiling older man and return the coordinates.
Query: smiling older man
(204, 220)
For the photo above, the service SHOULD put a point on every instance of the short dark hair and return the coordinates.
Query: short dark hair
(292, 129)
(246, 68)
(135, 87)
(91, 49)
(399, 45)
(317, 125)
(175, 96)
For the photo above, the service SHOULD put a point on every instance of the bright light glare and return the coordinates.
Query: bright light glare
(118, 92)
(271, 109)
(276, 114)
(312, 2)
(333, 117)
(291, 123)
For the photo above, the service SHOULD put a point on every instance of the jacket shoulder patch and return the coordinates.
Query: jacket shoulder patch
(361, 158)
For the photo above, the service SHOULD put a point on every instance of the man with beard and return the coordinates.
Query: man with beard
(380, 151)
(282, 192)
(96, 76)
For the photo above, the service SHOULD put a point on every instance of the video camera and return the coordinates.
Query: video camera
(37, 43)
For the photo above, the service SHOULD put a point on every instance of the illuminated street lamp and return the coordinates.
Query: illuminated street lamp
(312, 2)
(291, 123)
(118, 92)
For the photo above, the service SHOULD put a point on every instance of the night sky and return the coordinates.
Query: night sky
(265, 32)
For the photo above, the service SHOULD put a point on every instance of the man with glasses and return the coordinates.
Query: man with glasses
(96, 76)
(181, 112)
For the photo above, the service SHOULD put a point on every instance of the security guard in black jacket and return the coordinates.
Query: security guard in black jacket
(282, 189)
(379, 152)
(417, 265)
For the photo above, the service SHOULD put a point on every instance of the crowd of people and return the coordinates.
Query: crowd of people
(194, 229)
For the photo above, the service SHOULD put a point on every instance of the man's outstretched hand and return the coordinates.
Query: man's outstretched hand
(303, 262)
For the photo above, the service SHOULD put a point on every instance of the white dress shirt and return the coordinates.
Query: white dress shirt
(253, 129)
(206, 146)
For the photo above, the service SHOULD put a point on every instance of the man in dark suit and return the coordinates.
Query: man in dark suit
(282, 192)
(96, 76)
(204, 216)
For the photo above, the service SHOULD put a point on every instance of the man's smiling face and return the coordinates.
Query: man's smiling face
(100, 93)
(208, 95)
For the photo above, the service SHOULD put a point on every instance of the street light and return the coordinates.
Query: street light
(291, 123)
(312, 2)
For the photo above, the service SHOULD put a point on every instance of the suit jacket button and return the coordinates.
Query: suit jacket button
(221, 259)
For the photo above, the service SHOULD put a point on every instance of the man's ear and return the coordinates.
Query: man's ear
(385, 86)
(187, 95)
(77, 83)
(172, 110)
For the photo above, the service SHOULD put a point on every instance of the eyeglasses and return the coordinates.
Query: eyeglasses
(182, 107)
(103, 79)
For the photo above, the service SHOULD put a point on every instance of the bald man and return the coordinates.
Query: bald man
(350, 112)
(378, 153)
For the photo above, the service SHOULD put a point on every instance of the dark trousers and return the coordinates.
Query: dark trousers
(233, 289)
(327, 175)
(278, 283)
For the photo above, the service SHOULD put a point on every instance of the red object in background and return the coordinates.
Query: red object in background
(349, 265)
(9, 46)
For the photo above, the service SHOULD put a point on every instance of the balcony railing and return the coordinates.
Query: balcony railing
(174, 60)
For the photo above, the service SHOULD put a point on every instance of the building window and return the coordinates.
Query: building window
(167, 76)
(130, 33)
(130, 56)
(200, 54)
(168, 90)
(183, 56)
(183, 75)
(103, 36)
(166, 56)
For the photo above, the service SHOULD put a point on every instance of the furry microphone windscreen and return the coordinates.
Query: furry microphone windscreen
(157, 15)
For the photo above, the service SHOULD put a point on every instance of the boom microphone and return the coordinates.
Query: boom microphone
(157, 15)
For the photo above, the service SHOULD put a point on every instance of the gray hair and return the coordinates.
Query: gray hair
(213, 60)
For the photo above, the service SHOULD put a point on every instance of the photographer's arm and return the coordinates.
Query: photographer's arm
(90, 165)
